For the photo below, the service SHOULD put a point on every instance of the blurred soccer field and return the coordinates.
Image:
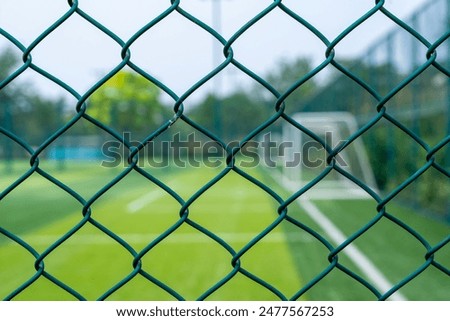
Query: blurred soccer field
(187, 260)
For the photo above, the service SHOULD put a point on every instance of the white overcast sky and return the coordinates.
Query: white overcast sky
(176, 51)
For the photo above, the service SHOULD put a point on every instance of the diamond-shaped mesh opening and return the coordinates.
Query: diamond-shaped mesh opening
(195, 255)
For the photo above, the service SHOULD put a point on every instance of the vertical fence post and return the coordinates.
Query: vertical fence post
(447, 43)
(416, 94)
(217, 53)
(8, 125)
(391, 144)
(61, 146)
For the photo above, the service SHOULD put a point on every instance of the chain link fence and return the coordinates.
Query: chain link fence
(376, 91)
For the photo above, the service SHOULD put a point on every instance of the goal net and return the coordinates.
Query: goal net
(305, 156)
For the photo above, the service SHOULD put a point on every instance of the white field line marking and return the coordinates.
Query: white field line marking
(336, 194)
(339, 191)
(358, 257)
(187, 238)
(144, 200)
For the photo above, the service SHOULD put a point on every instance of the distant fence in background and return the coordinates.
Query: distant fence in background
(422, 106)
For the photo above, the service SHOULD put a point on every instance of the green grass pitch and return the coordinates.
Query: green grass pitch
(188, 261)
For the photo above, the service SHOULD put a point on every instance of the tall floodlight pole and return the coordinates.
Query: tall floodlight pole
(447, 156)
(8, 125)
(216, 59)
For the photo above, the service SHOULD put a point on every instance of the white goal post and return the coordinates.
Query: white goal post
(307, 157)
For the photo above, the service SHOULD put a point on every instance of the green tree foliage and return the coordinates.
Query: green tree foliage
(129, 103)
(38, 117)
(239, 114)
(286, 76)
(242, 111)
(23, 110)
(7, 63)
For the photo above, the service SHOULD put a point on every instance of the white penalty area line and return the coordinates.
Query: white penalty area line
(147, 199)
(358, 257)
(336, 235)
(144, 200)
(335, 191)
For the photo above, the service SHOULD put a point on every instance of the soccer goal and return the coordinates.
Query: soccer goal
(305, 157)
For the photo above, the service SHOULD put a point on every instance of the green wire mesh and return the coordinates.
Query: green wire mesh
(380, 112)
